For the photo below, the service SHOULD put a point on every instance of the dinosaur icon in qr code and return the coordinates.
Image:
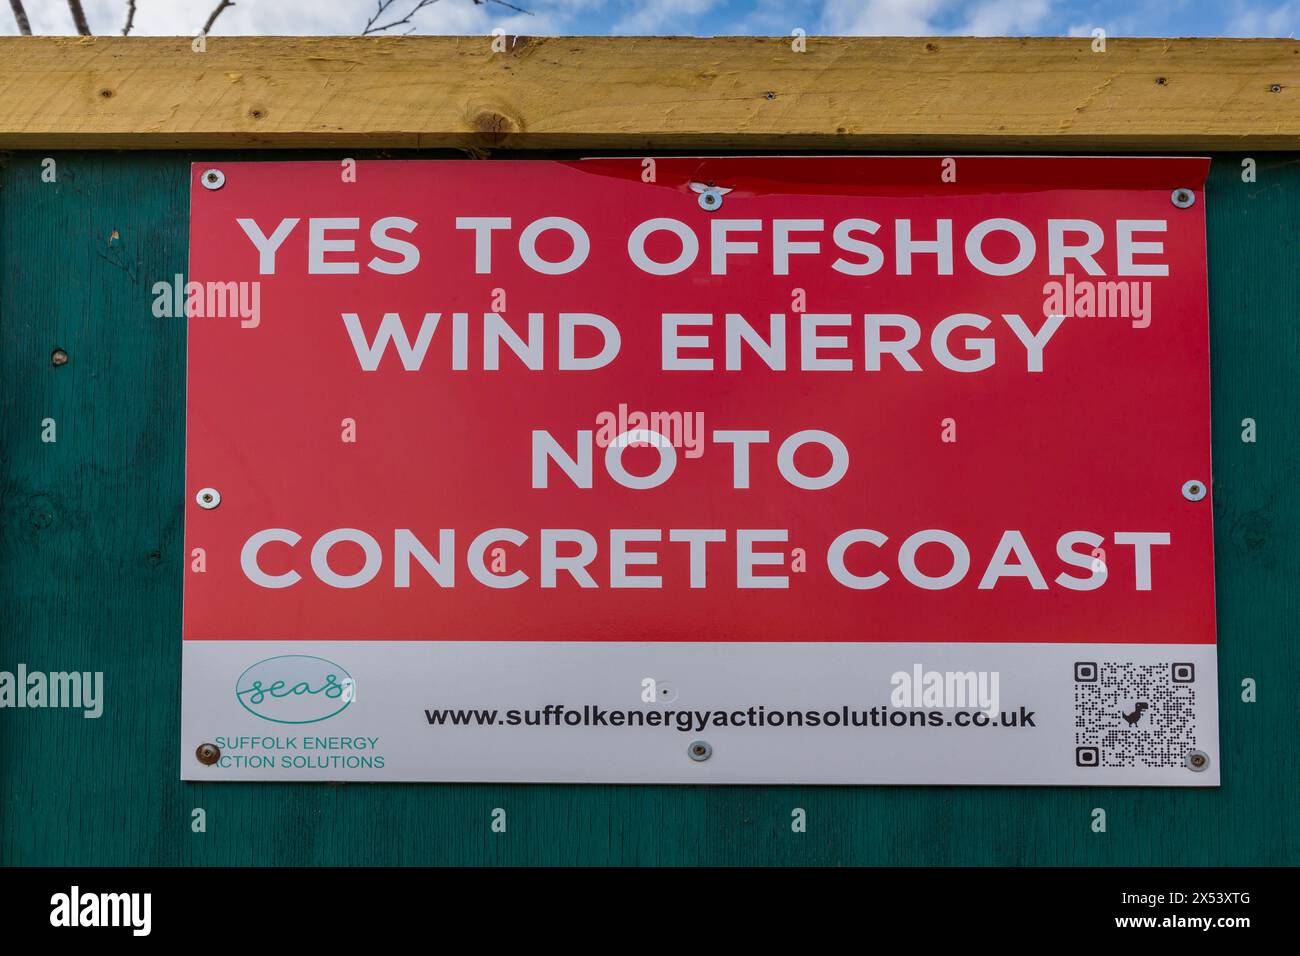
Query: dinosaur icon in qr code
(1134, 717)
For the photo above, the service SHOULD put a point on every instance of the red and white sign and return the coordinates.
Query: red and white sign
(684, 407)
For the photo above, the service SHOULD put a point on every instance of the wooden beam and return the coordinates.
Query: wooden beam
(591, 93)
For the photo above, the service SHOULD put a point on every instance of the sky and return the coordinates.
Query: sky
(1237, 18)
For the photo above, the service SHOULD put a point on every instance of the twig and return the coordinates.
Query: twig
(79, 17)
(207, 27)
(24, 25)
(508, 6)
(130, 17)
(383, 6)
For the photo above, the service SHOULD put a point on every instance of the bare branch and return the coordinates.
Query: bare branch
(130, 17)
(207, 27)
(24, 25)
(508, 6)
(79, 17)
(384, 6)
(379, 12)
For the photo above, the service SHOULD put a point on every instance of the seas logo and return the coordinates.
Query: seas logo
(295, 689)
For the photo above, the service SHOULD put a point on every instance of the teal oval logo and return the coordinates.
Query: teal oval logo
(295, 689)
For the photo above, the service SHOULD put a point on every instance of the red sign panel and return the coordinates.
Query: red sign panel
(815, 399)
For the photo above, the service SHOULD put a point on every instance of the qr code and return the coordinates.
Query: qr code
(1134, 715)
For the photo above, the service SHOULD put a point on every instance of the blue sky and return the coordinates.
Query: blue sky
(1242, 18)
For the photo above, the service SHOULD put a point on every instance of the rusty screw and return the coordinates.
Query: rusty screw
(208, 754)
(58, 357)
(699, 750)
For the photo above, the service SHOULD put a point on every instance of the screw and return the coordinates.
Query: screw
(213, 179)
(58, 357)
(1275, 88)
(1193, 490)
(208, 498)
(1197, 760)
(699, 751)
(710, 195)
(208, 754)
(1183, 198)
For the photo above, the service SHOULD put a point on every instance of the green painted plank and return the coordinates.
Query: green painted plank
(91, 569)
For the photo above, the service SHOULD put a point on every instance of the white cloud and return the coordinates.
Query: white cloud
(1005, 17)
(671, 17)
(778, 18)
(882, 17)
(934, 17)
(1259, 20)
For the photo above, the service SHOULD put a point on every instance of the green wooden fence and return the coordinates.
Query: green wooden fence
(91, 565)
